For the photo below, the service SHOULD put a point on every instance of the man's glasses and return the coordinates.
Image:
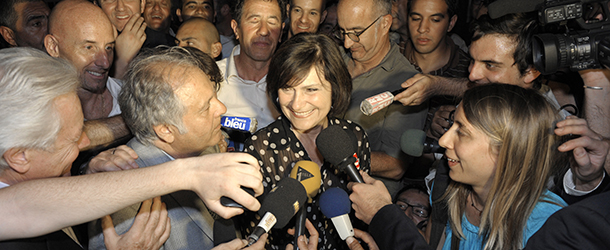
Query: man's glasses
(418, 210)
(355, 36)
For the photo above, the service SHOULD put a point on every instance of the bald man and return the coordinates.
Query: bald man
(82, 34)
(201, 34)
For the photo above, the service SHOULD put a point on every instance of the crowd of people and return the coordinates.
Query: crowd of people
(112, 135)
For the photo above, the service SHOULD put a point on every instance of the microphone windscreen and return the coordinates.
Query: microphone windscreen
(502, 7)
(335, 145)
(284, 201)
(412, 142)
(334, 202)
(308, 173)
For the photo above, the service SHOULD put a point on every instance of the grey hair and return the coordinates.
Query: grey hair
(30, 80)
(147, 98)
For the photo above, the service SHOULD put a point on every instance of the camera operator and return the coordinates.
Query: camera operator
(501, 52)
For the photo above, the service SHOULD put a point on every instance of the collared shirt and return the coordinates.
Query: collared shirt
(228, 43)
(243, 97)
(385, 127)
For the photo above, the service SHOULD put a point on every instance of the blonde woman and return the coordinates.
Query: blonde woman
(501, 151)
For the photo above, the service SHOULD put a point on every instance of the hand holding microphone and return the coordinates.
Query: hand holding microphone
(279, 206)
(335, 204)
(308, 174)
(368, 198)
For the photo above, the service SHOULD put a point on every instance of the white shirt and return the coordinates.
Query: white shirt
(242, 97)
(228, 43)
(114, 86)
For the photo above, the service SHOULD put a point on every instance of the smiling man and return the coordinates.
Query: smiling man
(305, 16)
(376, 65)
(157, 15)
(258, 26)
(23, 23)
(83, 35)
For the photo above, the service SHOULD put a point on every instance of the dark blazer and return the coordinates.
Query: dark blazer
(192, 224)
(583, 225)
(54, 241)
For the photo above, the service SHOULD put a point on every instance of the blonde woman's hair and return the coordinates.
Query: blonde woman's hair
(519, 123)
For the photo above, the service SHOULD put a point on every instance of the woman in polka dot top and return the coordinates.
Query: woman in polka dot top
(309, 83)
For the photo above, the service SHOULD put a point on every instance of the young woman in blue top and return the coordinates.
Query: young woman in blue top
(500, 151)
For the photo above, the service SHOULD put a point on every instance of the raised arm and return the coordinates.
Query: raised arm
(37, 207)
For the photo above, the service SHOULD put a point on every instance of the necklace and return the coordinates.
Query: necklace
(472, 204)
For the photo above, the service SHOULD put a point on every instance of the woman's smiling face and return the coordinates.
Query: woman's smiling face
(306, 105)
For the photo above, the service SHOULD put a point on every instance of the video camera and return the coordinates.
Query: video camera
(578, 32)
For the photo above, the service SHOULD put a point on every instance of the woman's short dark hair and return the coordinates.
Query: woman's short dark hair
(292, 62)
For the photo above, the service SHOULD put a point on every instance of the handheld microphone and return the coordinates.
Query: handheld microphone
(414, 142)
(244, 124)
(279, 206)
(331, 143)
(378, 102)
(308, 174)
(335, 204)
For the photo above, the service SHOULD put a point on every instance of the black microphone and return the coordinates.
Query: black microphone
(414, 142)
(503, 7)
(336, 146)
(279, 206)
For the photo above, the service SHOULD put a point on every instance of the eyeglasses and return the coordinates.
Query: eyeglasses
(355, 36)
(418, 210)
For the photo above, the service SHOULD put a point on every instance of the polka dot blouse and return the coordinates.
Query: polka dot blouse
(277, 149)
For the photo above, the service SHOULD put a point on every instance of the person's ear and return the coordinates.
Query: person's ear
(179, 14)
(142, 6)
(530, 75)
(216, 49)
(8, 35)
(51, 45)
(165, 133)
(386, 21)
(17, 159)
(323, 17)
(452, 23)
(236, 28)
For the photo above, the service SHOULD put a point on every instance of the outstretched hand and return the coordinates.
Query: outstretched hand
(150, 228)
(217, 175)
(419, 88)
(589, 151)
